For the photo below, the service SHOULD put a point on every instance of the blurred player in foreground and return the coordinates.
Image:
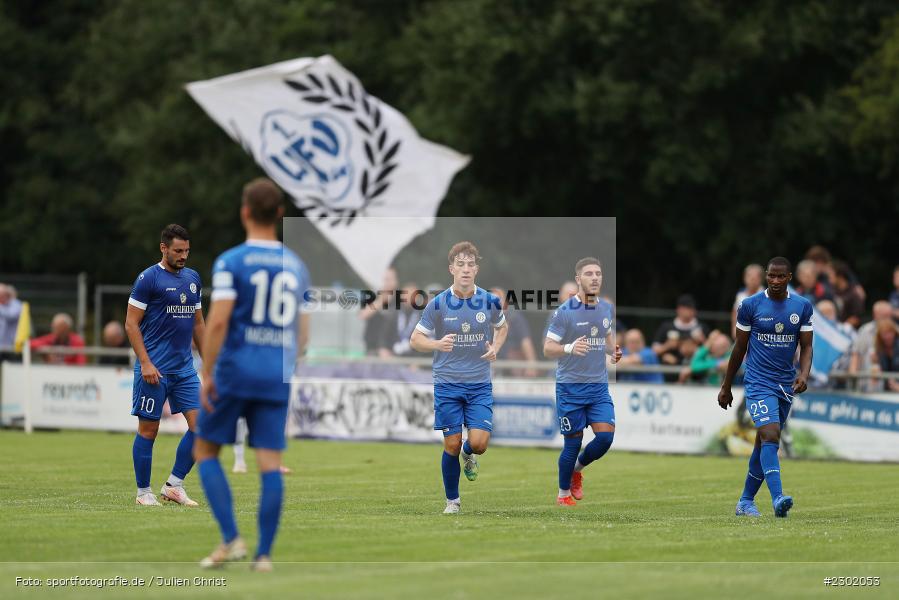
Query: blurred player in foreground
(770, 324)
(580, 335)
(250, 350)
(464, 326)
(164, 314)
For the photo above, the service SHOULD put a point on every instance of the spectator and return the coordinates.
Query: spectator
(810, 287)
(635, 352)
(820, 256)
(710, 361)
(114, 337)
(828, 310)
(61, 334)
(10, 309)
(401, 322)
(566, 291)
(894, 295)
(676, 340)
(753, 276)
(850, 303)
(519, 345)
(886, 352)
(863, 346)
(376, 317)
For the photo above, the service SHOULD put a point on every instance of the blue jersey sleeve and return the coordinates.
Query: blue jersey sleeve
(497, 317)
(223, 284)
(558, 325)
(427, 323)
(142, 291)
(806, 318)
(744, 316)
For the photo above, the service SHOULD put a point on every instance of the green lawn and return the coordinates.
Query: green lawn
(364, 520)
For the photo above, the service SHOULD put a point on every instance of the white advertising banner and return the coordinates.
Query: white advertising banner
(74, 397)
(649, 417)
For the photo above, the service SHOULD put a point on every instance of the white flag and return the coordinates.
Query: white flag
(344, 157)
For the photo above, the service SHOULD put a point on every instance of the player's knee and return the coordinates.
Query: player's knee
(769, 436)
(478, 447)
(148, 429)
(453, 445)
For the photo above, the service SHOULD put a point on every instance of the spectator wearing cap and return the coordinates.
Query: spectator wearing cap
(10, 309)
(114, 337)
(677, 340)
(635, 352)
(61, 334)
(849, 301)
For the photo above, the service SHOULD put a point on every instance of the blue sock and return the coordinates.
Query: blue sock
(595, 449)
(451, 471)
(269, 511)
(218, 494)
(567, 458)
(771, 469)
(466, 447)
(184, 456)
(142, 454)
(754, 477)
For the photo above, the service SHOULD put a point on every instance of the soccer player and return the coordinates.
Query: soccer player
(164, 314)
(253, 337)
(580, 335)
(464, 326)
(770, 324)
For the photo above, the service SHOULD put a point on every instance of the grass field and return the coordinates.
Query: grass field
(364, 520)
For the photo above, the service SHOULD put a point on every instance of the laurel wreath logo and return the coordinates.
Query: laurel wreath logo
(380, 151)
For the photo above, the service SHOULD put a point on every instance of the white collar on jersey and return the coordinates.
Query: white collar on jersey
(767, 296)
(176, 272)
(452, 292)
(263, 243)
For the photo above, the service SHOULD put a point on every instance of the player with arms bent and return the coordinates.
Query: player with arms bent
(464, 327)
(253, 338)
(769, 326)
(580, 335)
(164, 314)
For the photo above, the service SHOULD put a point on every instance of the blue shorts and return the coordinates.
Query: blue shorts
(575, 412)
(181, 390)
(266, 422)
(766, 405)
(458, 404)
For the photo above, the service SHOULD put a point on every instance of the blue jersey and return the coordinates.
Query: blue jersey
(267, 283)
(575, 319)
(169, 301)
(773, 327)
(473, 321)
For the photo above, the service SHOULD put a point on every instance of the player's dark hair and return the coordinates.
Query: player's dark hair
(264, 199)
(465, 249)
(780, 261)
(173, 232)
(587, 260)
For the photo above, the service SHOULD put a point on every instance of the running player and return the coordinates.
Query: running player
(464, 327)
(580, 335)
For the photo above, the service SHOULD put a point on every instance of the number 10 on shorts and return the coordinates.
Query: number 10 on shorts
(147, 404)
